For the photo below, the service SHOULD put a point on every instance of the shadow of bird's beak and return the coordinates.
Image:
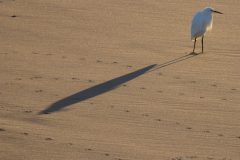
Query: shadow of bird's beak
(218, 12)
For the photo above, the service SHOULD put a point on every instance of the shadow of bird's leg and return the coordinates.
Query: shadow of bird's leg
(194, 45)
(202, 44)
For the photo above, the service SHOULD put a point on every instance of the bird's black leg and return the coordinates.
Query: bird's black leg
(194, 44)
(202, 44)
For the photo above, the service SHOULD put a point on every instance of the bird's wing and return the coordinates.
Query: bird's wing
(197, 28)
(208, 22)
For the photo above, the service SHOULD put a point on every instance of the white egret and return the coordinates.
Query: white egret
(201, 23)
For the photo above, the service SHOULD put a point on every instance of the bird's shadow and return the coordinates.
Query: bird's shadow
(108, 85)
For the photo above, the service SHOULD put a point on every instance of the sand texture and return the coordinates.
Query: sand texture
(114, 80)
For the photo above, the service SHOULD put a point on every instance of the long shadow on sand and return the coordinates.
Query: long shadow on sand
(107, 86)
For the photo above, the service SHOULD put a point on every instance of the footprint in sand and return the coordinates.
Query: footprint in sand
(238, 137)
(189, 128)
(145, 115)
(159, 91)
(106, 154)
(159, 120)
(38, 91)
(28, 111)
(48, 139)
(185, 158)
(25, 133)
(111, 106)
(88, 149)
(201, 97)
(191, 157)
(98, 61)
(143, 88)
(35, 53)
(18, 79)
(160, 74)
(124, 85)
(206, 131)
(177, 77)
(115, 62)
(74, 78)
(233, 89)
(90, 81)
(35, 77)
(220, 135)
(2, 130)
(214, 85)
(225, 158)
(48, 54)
(127, 111)
(4, 53)
(13, 16)
(224, 99)
(193, 82)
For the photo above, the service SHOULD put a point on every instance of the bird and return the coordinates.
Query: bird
(201, 23)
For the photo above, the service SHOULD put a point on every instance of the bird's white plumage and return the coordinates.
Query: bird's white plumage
(201, 22)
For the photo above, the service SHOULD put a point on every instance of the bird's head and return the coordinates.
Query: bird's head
(211, 10)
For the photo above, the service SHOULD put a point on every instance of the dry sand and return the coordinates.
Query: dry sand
(89, 64)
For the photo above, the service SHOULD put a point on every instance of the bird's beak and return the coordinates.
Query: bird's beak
(217, 12)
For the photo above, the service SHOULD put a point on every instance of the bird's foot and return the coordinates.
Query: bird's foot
(193, 53)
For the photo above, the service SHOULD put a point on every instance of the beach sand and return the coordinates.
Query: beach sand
(114, 80)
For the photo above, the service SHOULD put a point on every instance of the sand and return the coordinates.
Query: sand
(114, 80)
